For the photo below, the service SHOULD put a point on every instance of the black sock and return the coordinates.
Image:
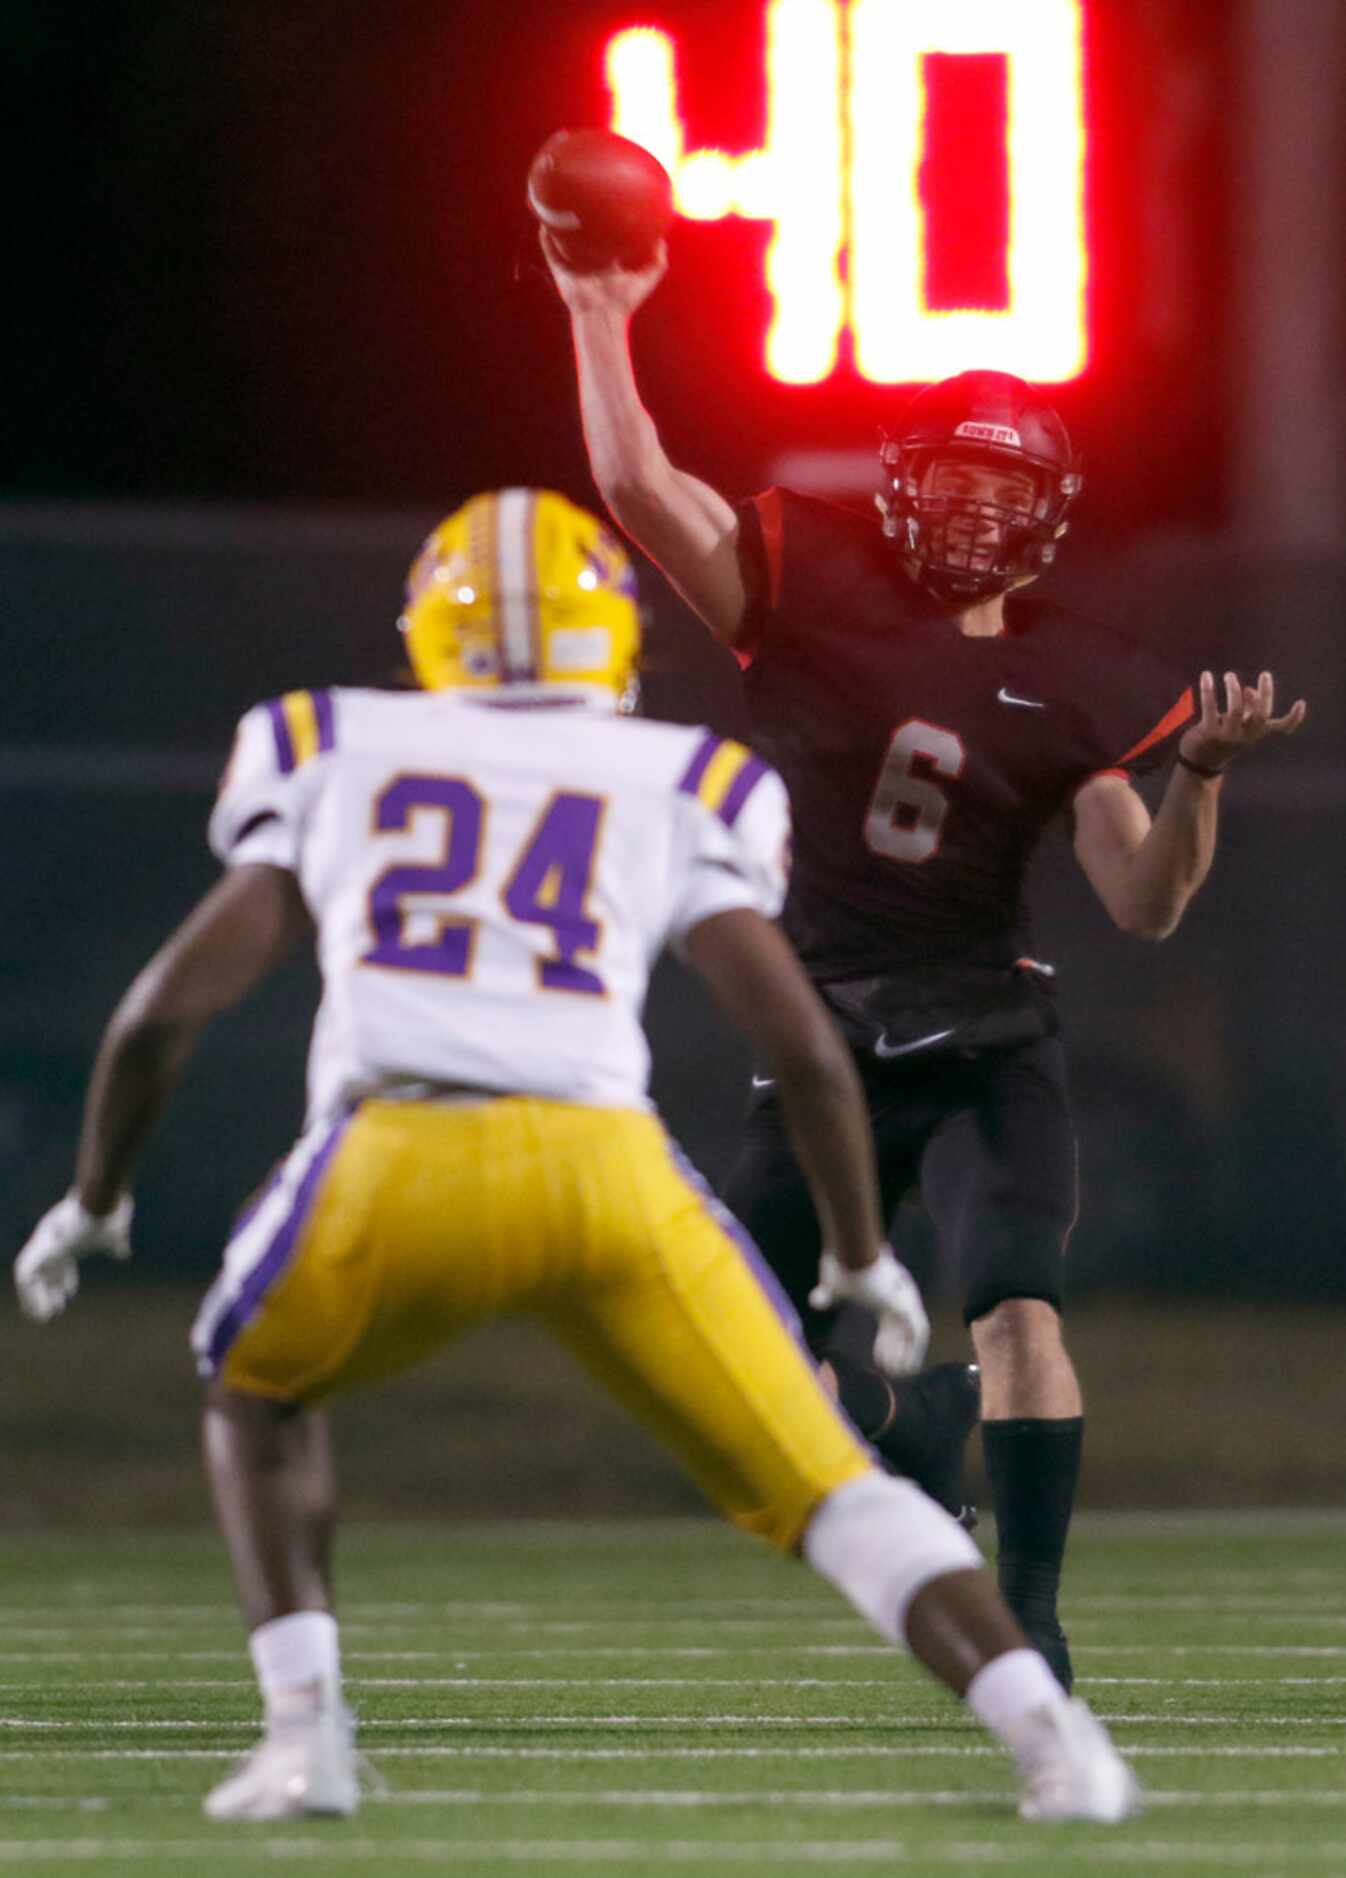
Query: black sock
(1033, 1467)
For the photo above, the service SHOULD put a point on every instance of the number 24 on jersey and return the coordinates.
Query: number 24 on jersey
(548, 884)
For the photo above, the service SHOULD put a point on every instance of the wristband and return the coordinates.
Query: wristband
(1200, 769)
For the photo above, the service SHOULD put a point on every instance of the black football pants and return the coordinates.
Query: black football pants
(989, 1141)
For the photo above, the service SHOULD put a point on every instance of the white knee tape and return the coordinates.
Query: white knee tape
(879, 1541)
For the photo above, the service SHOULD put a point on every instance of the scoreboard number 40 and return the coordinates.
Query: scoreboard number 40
(848, 176)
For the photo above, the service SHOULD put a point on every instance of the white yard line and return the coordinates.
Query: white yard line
(513, 1681)
(610, 1623)
(1239, 1603)
(676, 1651)
(1088, 1630)
(509, 1723)
(693, 1799)
(1241, 1589)
(438, 1608)
(1120, 1720)
(1208, 1649)
(491, 1724)
(81, 1803)
(169, 1684)
(892, 1755)
(1186, 1682)
(328, 1849)
(1237, 1583)
(825, 1797)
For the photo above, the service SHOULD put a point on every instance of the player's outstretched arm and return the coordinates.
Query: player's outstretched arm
(761, 986)
(231, 939)
(1144, 872)
(688, 530)
(234, 936)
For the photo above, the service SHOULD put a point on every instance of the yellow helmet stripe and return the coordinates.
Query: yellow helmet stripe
(516, 600)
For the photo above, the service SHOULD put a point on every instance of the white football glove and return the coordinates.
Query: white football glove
(46, 1272)
(888, 1289)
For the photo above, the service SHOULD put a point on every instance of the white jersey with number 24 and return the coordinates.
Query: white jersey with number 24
(492, 882)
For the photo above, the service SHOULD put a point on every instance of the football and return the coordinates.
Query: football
(601, 197)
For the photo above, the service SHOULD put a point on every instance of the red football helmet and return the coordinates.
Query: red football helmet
(993, 420)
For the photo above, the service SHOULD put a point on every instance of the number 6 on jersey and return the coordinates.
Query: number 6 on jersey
(907, 810)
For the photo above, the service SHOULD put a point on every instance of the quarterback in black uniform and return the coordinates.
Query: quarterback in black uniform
(930, 720)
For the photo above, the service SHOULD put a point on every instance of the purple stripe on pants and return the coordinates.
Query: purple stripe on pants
(767, 1281)
(277, 1255)
(249, 1213)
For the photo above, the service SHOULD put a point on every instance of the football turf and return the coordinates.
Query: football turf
(663, 1697)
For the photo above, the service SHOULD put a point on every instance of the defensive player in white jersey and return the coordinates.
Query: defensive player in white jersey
(490, 866)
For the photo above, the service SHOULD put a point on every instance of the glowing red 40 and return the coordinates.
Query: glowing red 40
(841, 176)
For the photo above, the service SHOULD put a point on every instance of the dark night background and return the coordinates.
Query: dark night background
(279, 253)
(274, 309)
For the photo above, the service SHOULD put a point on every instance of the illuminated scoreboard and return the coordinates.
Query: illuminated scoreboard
(922, 172)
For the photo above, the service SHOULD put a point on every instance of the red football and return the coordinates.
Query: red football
(602, 198)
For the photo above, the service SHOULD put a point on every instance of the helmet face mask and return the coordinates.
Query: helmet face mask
(980, 477)
(523, 594)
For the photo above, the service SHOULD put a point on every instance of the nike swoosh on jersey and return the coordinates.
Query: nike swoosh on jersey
(885, 1049)
(1029, 704)
(764, 1082)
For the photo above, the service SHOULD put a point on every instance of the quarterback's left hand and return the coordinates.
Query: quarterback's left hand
(1219, 735)
(888, 1289)
(46, 1272)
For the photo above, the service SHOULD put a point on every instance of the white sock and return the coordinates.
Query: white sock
(879, 1541)
(1009, 1695)
(298, 1662)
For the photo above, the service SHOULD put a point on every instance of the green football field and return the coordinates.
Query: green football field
(663, 1697)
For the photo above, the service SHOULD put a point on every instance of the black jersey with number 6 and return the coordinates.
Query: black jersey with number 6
(923, 764)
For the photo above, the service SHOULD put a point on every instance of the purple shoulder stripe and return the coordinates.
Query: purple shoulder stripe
(740, 789)
(700, 763)
(280, 730)
(324, 712)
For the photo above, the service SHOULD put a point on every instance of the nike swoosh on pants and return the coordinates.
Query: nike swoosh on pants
(885, 1049)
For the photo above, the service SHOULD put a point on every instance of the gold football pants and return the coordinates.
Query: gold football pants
(385, 1234)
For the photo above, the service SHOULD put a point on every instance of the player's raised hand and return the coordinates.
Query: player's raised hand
(888, 1289)
(46, 1272)
(1220, 734)
(616, 288)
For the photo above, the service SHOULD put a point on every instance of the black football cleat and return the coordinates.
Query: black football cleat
(934, 1413)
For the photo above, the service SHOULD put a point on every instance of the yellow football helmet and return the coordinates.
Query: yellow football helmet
(521, 589)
